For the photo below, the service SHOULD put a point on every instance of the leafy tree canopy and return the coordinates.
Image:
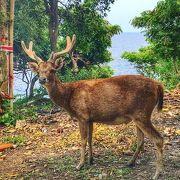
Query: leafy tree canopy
(83, 18)
(161, 27)
(93, 32)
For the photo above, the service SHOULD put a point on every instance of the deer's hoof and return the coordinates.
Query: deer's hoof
(158, 172)
(130, 164)
(155, 177)
(90, 161)
(79, 166)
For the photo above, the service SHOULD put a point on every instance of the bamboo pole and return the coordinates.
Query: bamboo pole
(11, 27)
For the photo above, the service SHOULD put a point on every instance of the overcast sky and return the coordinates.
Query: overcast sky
(122, 11)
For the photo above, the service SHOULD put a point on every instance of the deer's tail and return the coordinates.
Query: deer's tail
(160, 92)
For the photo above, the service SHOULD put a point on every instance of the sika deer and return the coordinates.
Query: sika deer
(115, 100)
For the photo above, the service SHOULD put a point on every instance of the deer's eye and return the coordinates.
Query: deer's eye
(52, 71)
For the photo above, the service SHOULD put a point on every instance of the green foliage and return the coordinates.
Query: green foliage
(77, 17)
(161, 59)
(93, 72)
(20, 112)
(144, 60)
(123, 172)
(148, 63)
(18, 140)
(9, 118)
(165, 72)
(134, 146)
(162, 27)
(3, 18)
(31, 23)
(93, 32)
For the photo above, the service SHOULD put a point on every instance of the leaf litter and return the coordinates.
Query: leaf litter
(51, 148)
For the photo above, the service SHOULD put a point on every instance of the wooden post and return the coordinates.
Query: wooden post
(11, 26)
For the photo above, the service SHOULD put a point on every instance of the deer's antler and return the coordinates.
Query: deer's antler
(69, 45)
(30, 52)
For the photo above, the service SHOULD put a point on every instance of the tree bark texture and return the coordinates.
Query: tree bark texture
(3, 41)
(31, 92)
(52, 11)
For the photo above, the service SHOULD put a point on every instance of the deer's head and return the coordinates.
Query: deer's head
(46, 69)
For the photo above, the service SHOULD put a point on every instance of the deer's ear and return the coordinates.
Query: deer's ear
(58, 64)
(33, 66)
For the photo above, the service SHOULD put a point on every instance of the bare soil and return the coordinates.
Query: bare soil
(50, 148)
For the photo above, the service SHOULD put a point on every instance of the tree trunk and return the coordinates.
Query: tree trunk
(176, 66)
(3, 41)
(31, 92)
(52, 11)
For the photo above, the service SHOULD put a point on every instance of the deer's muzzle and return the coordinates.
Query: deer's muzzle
(42, 80)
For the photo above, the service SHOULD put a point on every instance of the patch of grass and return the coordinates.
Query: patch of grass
(30, 112)
(61, 165)
(134, 146)
(65, 166)
(18, 140)
(36, 175)
(122, 172)
(172, 178)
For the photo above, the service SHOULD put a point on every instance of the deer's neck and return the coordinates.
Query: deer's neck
(60, 93)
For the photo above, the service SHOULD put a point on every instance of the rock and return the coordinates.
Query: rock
(44, 130)
(170, 113)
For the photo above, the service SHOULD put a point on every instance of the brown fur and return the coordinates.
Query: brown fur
(115, 100)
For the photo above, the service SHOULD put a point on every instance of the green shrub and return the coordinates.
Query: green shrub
(18, 140)
(166, 73)
(93, 72)
(151, 65)
(21, 111)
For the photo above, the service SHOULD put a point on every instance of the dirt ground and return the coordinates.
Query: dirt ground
(49, 148)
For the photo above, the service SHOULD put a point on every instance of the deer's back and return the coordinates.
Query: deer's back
(121, 96)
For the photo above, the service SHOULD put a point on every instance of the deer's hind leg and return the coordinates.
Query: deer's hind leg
(90, 132)
(148, 129)
(140, 143)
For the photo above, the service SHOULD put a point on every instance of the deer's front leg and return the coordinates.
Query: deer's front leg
(83, 126)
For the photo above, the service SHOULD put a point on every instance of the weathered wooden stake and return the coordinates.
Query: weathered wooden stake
(11, 26)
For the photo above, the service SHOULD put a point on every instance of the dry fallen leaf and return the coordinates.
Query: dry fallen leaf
(177, 132)
(28, 153)
(169, 131)
(6, 146)
(165, 109)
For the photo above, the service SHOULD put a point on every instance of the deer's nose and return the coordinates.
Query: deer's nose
(42, 80)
